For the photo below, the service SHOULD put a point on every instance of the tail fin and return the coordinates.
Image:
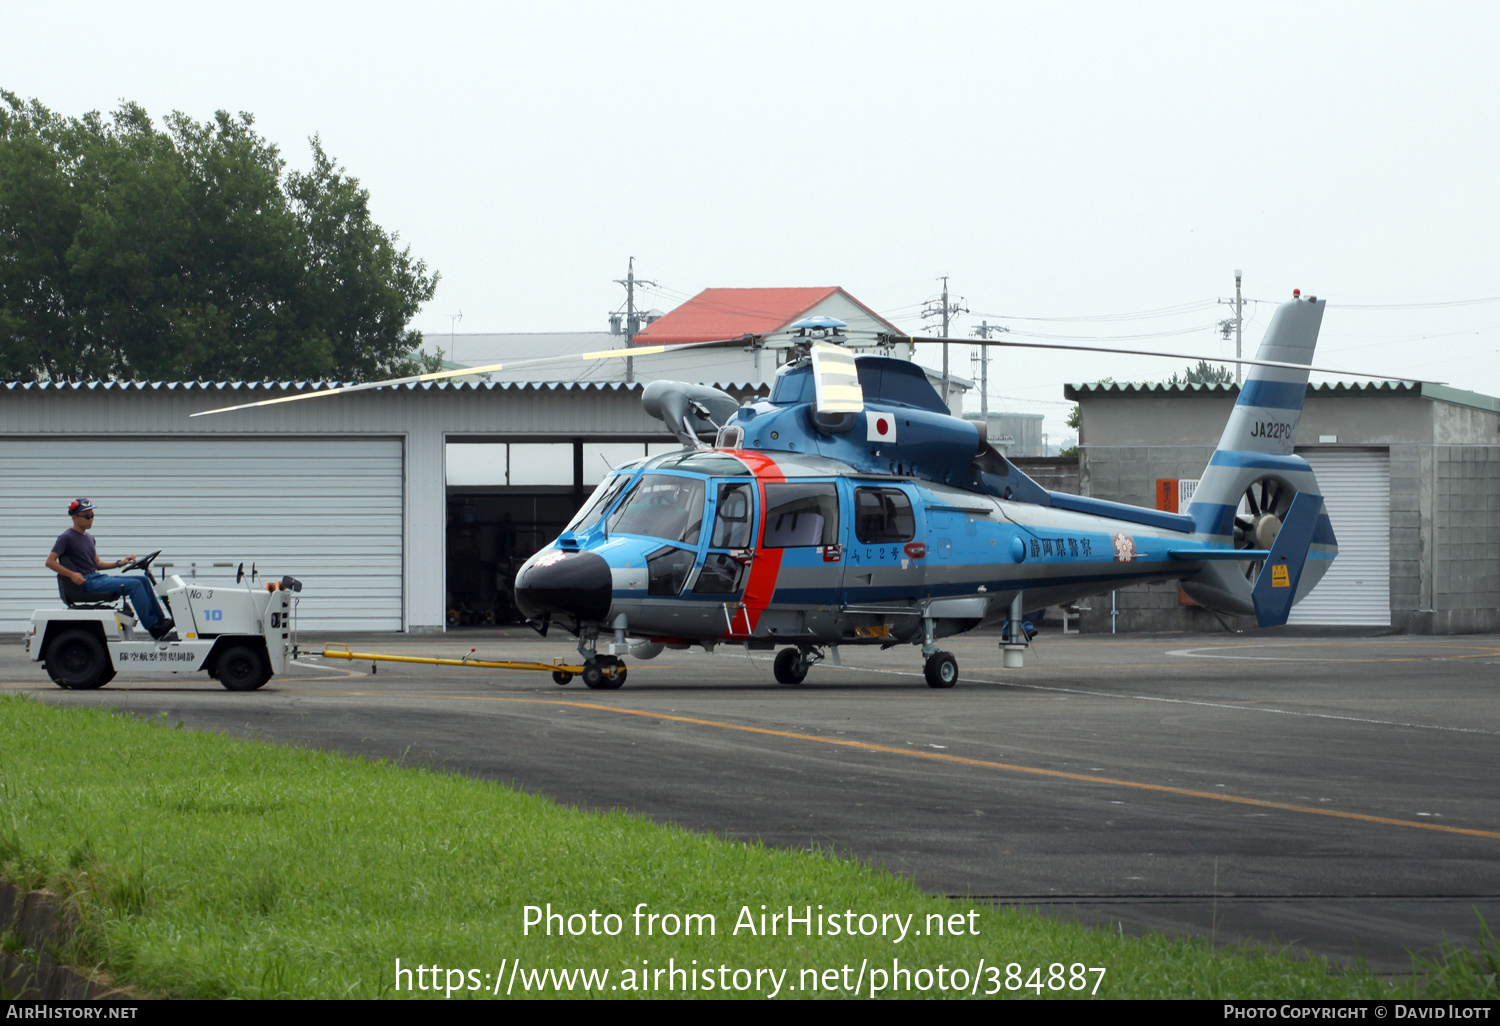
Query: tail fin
(1247, 490)
(1276, 586)
(1270, 404)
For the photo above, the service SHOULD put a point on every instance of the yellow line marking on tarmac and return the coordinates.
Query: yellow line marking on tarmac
(1007, 767)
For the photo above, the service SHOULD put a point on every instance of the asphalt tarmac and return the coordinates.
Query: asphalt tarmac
(1334, 793)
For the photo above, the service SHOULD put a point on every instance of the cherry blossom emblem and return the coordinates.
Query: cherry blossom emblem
(1124, 548)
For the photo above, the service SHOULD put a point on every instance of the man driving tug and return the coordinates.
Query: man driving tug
(75, 558)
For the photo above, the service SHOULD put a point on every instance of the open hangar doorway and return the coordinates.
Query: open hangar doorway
(508, 499)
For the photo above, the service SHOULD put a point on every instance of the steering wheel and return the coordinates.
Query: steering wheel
(143, 563)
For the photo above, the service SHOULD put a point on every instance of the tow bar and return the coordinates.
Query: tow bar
(561, 672)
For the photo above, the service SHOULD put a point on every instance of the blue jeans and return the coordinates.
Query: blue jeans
(137, 589)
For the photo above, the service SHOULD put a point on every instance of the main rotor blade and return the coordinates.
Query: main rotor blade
(896, 339)
(463, 372)
(835, 380)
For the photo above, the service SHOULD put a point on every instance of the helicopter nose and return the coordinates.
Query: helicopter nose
(578, 584)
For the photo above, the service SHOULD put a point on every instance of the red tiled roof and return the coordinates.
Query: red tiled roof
(730, 313)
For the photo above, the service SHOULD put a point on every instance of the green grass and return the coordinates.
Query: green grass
(205, 866)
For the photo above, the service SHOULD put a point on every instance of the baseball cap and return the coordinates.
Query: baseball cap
(79, 506)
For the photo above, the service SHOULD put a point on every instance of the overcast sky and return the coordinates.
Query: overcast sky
(1059, 161)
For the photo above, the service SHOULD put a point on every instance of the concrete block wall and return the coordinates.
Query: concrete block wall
(1411, 536)
(1466, 539)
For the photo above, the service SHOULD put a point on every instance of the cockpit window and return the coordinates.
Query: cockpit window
(883, 515)
(732, 518)
(592, 510)
(662, 506)
(801, 514)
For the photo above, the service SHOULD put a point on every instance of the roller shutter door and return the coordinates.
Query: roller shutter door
(1357, 495)
(326, 511)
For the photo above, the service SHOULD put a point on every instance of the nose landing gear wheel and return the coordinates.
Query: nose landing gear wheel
(789, 667)
(941, 670)
(606, 674)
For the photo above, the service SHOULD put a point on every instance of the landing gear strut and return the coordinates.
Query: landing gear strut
(600, 672)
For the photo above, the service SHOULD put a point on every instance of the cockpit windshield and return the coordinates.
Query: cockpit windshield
(665, 506)
(598, 502)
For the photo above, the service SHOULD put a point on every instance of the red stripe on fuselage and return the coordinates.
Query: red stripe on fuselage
(767, 563)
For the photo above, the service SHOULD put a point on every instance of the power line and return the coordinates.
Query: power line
(1165, 311)
(1195, 329)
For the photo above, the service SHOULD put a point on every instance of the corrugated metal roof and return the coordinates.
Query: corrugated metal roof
(1367, 389)
(1159, 389)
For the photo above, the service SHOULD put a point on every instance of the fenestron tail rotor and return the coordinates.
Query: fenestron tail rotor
(1257, 521)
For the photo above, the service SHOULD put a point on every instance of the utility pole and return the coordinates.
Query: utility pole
(944, 310)
(1237, 322)
(632, 322)
(453, 320)
(1239, 327)
(984, 330)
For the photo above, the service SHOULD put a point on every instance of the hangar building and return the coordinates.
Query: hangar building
(349, 494)
(1411, 480)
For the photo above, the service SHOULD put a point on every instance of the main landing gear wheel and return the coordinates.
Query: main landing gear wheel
(561, 677)
(242, 668)
(941, 670)
(789, 667)
(604, 674)
(78, 660)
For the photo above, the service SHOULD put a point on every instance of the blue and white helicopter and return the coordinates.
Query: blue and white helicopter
(849, 507)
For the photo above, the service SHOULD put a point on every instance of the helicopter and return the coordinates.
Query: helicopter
(850, 507)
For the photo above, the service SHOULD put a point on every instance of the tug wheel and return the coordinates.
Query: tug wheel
(941, 670)
(789, 667)
(78, 660)
(241, 668)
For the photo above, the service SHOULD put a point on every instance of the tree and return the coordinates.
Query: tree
(1204, 374)
(1075, 421)
(190, 253)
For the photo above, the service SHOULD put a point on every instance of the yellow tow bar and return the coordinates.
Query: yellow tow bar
(558, 669)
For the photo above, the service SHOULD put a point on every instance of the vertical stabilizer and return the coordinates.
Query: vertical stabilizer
(1270, 404)
(1247, 490)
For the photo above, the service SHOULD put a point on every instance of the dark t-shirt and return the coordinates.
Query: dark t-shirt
(75, 550)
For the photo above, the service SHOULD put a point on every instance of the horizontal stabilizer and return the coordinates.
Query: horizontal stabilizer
(1212, 554)
(1276, 585)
